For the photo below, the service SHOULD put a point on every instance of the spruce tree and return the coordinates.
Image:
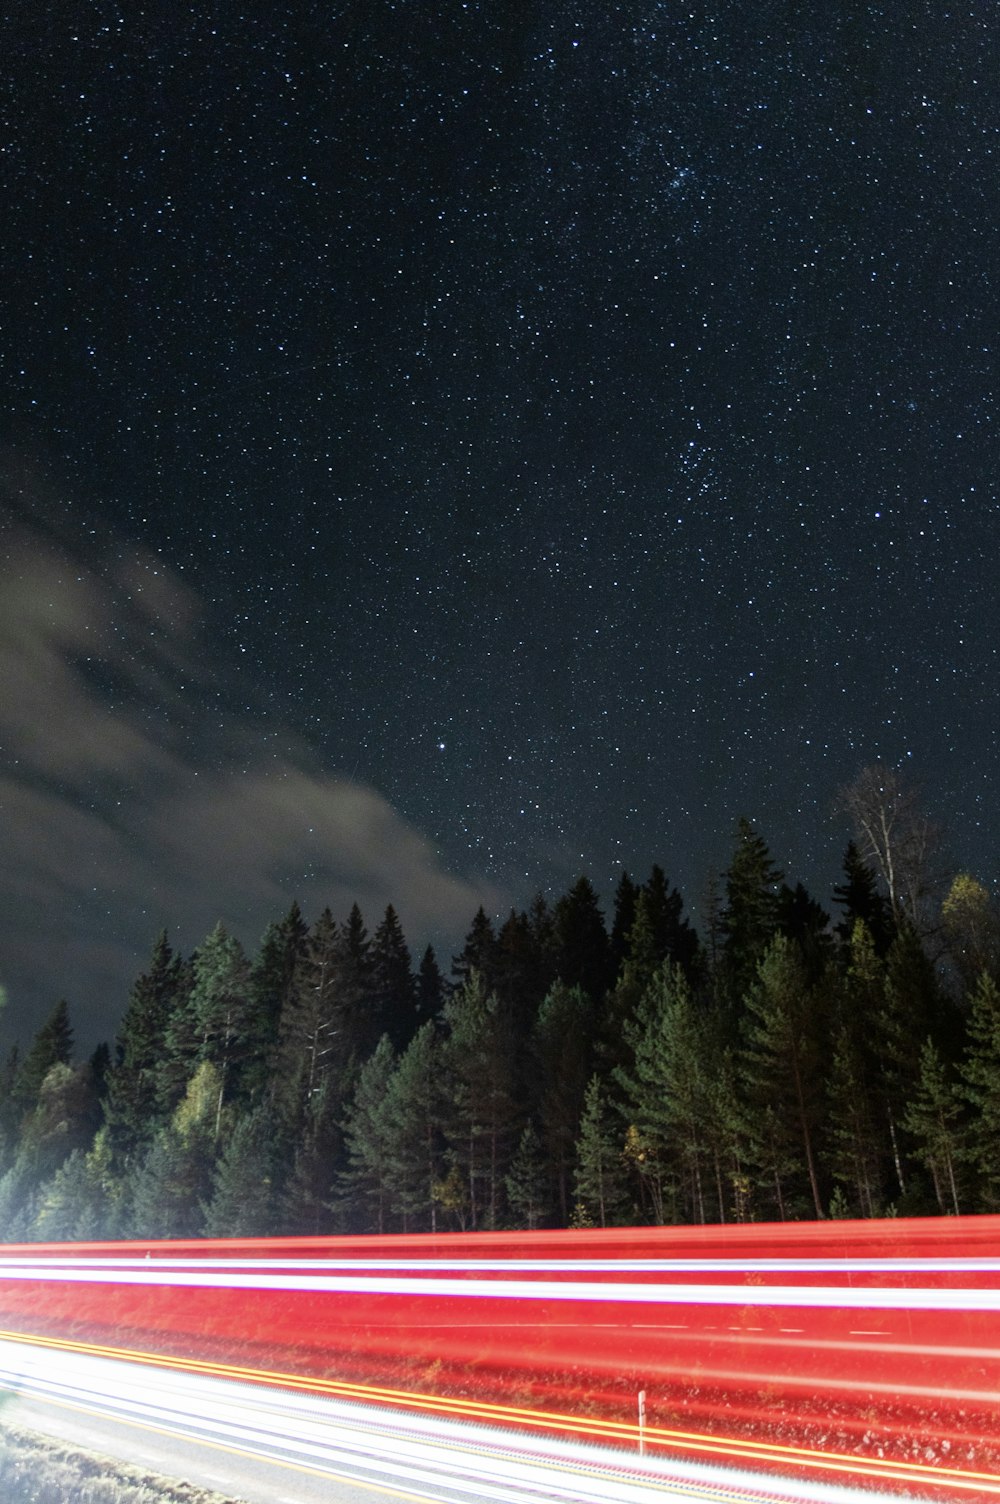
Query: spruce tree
(980, 1084)
(673, 937)
(598, 1187)
(933, 1119)
(485, 1117)
(364, 1184)
(132, 1105)
(477, 954)
(52, 1045)
(272, 983)
(622, 920)
(583, 952)
(859, 897)
(561, 1050)
(667, 1096)
(750, 918)
(243, 1191)
(784, 1053)
(414, 1140)
(393, 1001)
(430, 987)
(527, 1182)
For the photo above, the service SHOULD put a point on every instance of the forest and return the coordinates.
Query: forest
(787, 1062)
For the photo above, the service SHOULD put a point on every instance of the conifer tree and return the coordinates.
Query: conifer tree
(357, 1020)
(782, 1061)
(271, 989)
(132, 1103)
(854, 1135)
(520, 972)
(598, 1182)
(242, 1201)
(430, 987)
(667, 1095)
(309, 1051)
(933, 1120)
(749, 920)
(583, 953)
(414, 1144)
(174, 1181)
(478, 952)
(561, 1052)
(674, 939)
(623, 918)
(393, 1002)
(527, 1181)
(367, 1136)
(980, 1084)
(480, 1085)
(52, 1045)
(859, 897)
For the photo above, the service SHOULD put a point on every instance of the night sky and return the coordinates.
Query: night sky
(448, 447)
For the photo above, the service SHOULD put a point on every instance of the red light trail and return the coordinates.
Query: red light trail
(865, 1352)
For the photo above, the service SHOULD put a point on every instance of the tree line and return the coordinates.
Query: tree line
(786, 1062)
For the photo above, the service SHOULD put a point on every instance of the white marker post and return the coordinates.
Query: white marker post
(642, 1422)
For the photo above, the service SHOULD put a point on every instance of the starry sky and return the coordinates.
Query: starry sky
(450, 446)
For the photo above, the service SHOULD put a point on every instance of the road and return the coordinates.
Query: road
(269, 1446)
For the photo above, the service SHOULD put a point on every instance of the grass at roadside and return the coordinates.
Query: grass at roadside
(39, 1470)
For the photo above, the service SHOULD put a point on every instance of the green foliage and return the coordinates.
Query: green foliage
(933, 1118)
(598, 1183)
(749, 920)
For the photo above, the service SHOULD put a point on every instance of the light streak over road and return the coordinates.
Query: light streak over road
(848, 1352)
(420, 1457)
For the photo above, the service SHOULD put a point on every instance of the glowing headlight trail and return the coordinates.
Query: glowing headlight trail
(957, 1482)
(407, 1452)
(883, 1348)
(839, 1297)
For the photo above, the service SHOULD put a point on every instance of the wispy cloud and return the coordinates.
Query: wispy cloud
(132, 794)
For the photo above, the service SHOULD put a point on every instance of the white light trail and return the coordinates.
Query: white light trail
(164, 1273)
(391, 1449)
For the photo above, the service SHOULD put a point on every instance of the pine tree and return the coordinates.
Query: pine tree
(859, 897)
(393, 1001)
(560, 1065)
(174, 1182)
(414, 1143)
(242, 1202)
(623, 918)
(477, 954)
(479, 1071)
(220, 1005)
(583, 953)
(309, 1050)
(527, 1181)
(853, 1135)
(750, 919)
(430, 987)
(673, 937)
(132, 1104)
(667, 1097)
(52, 1045)
(272, 983)
(367, 1136)
(357, 1020)
(980, 1084)
(933, 1119)
(520, 972)
(782, 1065)
(598, 1183)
